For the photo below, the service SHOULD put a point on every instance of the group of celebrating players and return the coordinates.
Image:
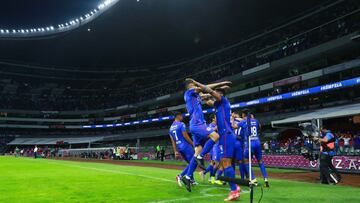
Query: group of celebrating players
(226, 138)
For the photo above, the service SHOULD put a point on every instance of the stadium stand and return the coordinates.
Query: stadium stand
(320, 47)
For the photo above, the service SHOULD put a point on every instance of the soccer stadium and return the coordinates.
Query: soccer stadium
(161, 101)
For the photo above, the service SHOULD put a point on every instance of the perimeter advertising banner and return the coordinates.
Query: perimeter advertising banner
(344, 163)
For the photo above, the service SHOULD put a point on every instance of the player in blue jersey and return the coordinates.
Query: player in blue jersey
(250, 131)
(215, 157)
(204, 137)
(227, 136)
(238, 153)
(182, 144)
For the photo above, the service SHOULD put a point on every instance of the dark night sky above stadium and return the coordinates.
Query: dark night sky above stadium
(139, 33)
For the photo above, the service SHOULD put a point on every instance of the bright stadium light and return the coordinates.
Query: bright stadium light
(42, 31)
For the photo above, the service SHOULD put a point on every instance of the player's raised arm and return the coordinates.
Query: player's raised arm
(207, 98)
(219, 84)
(191, 81)
(207, 89)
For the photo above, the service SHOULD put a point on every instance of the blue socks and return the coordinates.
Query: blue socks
(219, 173)
(263, 170)
(184, 171)
(192, 166)
(212, 173)
(230, 172)
(242, 170)
(247, 168)
(210, 168)
(207, 147)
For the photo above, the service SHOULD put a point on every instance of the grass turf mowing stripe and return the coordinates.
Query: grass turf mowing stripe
(203, 192)
(30, 180)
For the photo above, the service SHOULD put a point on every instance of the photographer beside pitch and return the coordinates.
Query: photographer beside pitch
(327, 152)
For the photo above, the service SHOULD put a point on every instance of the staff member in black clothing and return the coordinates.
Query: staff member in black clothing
(327, 152)
(162, 153)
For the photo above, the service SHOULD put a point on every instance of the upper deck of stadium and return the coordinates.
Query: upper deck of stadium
(28, 86)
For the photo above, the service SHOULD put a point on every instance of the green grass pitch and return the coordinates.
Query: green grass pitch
(40, 180)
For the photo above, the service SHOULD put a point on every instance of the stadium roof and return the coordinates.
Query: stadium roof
(326, 113)
(53, 141)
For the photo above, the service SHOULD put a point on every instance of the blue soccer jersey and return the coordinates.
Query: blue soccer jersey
(253, 135)
(223, 113)
(194, 108)
(237, 131)
(198, 128)
(238, 154)
(227, 137)
(176, 132)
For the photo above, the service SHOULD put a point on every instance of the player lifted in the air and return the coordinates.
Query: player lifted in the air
(251, 131)
(204, 137)
(182, 144)
(227, 136)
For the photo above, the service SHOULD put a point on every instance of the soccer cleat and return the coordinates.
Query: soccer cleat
(202, 175)
(238, 189)
(212, 180)
(193, 182)
(178, 180)
(254, 182)
(187, 183)
(267, 183)
(233, 196)
(200, 162)
(219, 182)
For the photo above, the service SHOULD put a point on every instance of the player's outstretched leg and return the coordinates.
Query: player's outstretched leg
(263, 172)
(213, 173)
(219, 174)
(241, 169)
(209, 144)
(186, 179)
(229, 172)
(258, 155)
(208, 169)
(247, 170)
(182, 174)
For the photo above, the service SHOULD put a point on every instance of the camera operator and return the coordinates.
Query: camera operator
(327, 152)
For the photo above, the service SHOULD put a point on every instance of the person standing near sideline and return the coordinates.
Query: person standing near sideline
(157, 152)
(17, 151)
(327, 152)
(266, 147)
(35, 151)
(162, 152)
